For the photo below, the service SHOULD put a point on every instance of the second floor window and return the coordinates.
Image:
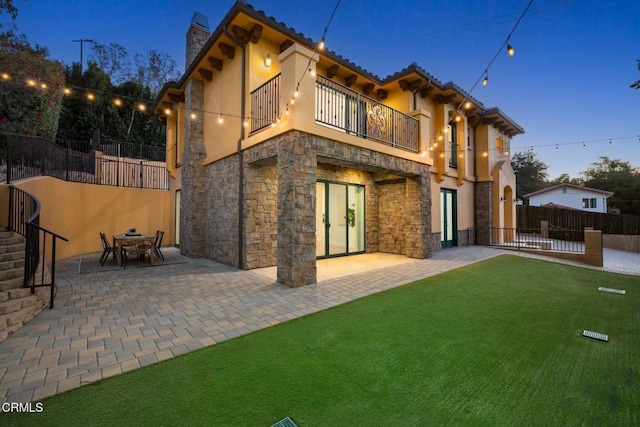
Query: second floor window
(453, 144)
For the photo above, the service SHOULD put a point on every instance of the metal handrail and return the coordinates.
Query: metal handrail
(19, 201)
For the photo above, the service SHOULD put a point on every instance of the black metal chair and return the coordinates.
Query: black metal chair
(157, 243)
(108, 249)
(139, 248)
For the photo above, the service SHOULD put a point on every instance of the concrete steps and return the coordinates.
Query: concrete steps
(17, 305)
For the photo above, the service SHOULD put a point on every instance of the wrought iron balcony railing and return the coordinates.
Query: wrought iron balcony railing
(342, 108)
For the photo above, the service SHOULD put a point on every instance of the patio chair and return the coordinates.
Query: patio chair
(157, 243)
(140, 249)
(108, 249)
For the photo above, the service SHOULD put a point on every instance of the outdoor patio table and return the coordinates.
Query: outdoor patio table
(120, 239)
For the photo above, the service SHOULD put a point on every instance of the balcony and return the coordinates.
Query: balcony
(343, 109)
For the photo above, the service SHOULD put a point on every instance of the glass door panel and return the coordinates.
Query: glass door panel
(337, 219)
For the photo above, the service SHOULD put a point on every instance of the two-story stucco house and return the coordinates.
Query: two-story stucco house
(281, 153)
(571, 196)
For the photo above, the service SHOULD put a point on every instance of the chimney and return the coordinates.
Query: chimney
(196, 37)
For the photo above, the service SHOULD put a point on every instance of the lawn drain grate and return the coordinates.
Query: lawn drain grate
(613, 291)
(285, 422)
(595, 335)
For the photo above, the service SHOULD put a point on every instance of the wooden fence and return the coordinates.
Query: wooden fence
(529, 217)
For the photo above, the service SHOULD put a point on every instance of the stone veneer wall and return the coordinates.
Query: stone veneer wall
(391, 208)
(466, 237)
(222, 211)
(261, 215)
(353, 176)
(483, 211)
(194, 183)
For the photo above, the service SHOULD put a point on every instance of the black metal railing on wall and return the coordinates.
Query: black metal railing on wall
(24, 219)
(265, 104)
(340, 107)
(534, 238)
(27, 156)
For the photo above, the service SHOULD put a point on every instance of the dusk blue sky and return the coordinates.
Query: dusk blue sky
(567, 83)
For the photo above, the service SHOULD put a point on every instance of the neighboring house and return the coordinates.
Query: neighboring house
(571, 196)
(281, 154)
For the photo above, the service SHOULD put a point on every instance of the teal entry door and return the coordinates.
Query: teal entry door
(448, 218)
(339, 219)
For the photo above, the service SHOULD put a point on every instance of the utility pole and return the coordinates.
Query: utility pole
(82, 42)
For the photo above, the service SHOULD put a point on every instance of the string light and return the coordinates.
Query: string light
(321, 45)
(142, 107)
(510, 50)
(584, 145)
(485, 81)
(220, 119)
(557, 148)
(5, 76)
(66, 91)
(193, 116)
(91, 96)
(117, 102)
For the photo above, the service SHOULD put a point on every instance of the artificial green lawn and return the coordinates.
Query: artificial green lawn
(495, 343)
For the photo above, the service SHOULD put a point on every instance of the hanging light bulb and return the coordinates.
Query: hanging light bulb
(485, 81)
(557, 148)
(220, 119)
(610, 142)
(312, 72)
(117, 102)
(91, 96)
(267, 61)
(193, 116)
(584, 145)
(5, 76)
(321, 45)
(66, 91)
(245, 123)
(510, 50)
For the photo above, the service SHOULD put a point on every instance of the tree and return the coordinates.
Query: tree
(565, 179)
(113, 60)
(531, 173)
(154, 70)
(636, 85)
(31, 88)
(619, 177)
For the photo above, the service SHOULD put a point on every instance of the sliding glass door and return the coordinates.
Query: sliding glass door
(339, 219)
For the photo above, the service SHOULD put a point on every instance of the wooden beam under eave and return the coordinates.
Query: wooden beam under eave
(412, 86)
(227, 50)
(382, 94)
(255, 34)
(425, 91)
(368, 88)
(350, 80)
(205, 74)
(285, 45)
(445, 99)
(332, 71)
(488, 120)
(215, 63)
(176, 97)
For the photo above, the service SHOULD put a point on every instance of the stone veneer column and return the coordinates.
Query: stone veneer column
(197, 36)
(417, 217)
(193, 200)
(483, 211)
(296, 255)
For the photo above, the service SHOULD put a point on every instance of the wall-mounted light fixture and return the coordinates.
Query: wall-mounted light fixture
(267, 61)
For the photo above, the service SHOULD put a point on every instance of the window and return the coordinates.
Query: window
(589, 203)
(592, 203)
(585, 203)
(452, 131)
(564, 191)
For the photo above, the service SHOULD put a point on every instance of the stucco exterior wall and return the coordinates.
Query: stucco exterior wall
(80, 212)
